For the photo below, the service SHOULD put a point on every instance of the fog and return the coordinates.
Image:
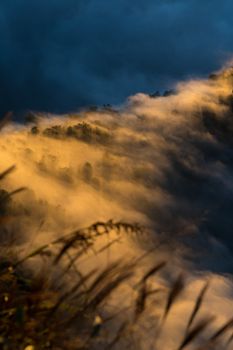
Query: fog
(163, 162)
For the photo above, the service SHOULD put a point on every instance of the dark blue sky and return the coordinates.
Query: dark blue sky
(58, 55)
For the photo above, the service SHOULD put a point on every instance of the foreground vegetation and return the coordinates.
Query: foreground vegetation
(39, 311)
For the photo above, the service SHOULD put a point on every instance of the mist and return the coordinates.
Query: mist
(162, 162)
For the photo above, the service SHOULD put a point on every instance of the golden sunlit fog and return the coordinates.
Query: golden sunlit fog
(162, 163)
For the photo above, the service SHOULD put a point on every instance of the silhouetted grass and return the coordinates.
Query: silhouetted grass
(34, 311)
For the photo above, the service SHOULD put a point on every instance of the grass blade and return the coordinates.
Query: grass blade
(175, 291)
(193, 333)
(198, 304)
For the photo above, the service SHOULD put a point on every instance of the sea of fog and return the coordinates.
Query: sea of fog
(165, 163)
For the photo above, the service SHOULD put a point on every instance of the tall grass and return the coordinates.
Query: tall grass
(37, 310)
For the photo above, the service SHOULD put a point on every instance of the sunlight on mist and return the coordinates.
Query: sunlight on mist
(163, 162)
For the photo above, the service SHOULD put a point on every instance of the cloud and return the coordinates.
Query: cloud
(58, 56)
(165, 162)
